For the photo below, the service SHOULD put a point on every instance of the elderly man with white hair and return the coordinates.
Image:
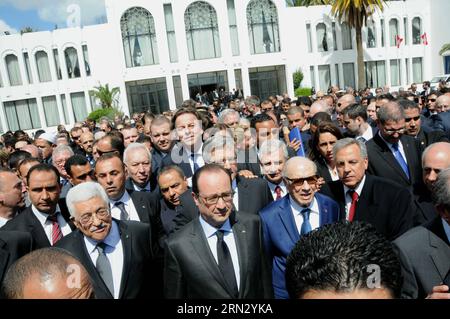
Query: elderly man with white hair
(230, 118)
(138, 164)
(60, 155)
(117, 254)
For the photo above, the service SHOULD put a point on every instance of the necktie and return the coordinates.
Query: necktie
(226, 264)
(401, 161)
(123, 213)
(278, 192)
(103, 266)
(361, 139)
(354, 195)
(56, 230)
(306, 225)
(196, 167)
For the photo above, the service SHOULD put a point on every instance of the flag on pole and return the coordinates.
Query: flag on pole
(398, 41)
(424, 38)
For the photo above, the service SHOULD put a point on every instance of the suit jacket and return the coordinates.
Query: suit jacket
(13, 245)
(424, 253)
(322, 170)
(130, 187)
(191, 271)
(426, 211)
(382, 162)
(426, 137)
(28, 222)
(253, 194)
(179, 157)
(138, 279)
(183, 214)
(281, 234)
(382, 203)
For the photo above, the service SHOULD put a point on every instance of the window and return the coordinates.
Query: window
(72, 64)
(43, 67)
(313, 76)
(333, 27)
(87, 66)
(371, 35)
(267, 81)
(417, 70)
(64, 108)
(395, 72)
(57, 65)
(202, 31)
(262, 20)
(79, 106)
(405, 27)
(383, 43)
(139, 38)
(238, 79)
(148, 95)
(324, 77)
(416, 30)
(170, 30)
(346, 37)
(321, 35)
(336, 66)
(51, 110)
(26, 58)
(375, 73)
(177, 90)
(349, 75)
(12, 66)
(309, 38)
(393, 32)
(233, 27)
(22, 115)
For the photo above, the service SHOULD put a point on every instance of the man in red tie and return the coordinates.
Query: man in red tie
(363, 197)
(272, 156)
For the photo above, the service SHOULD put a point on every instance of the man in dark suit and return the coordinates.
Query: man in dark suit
(117, 254)
(47, 219)
(297, 213)
(138, 164)
(363, 197)
(13, 245)
(12, 199)
(60, 155)
(354, 118)
(392, 154)
(162, 141)
(219, 254)
(425, 250)
(79, 170)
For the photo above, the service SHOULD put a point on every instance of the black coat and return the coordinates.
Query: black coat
(13, 245)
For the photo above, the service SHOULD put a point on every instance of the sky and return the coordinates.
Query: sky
(44, 15)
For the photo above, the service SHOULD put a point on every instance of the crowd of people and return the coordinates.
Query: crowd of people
(338, 195)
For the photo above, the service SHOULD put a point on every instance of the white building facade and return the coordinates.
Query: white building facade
(162, 52)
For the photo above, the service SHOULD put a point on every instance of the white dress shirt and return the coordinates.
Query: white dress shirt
(236, 194)
(140, 189)
(48, 225)
(272, 189)
(228, 237)
(3, 221)
(129, 207)
(114, 252)
(348, 198)
(368, 134)
(198, 157)
(313, 215)
(446, 228)
(333, 173)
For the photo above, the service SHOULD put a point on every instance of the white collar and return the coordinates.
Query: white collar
(111, 239)
(124, 199)
(211, 230)
(313, 206)
(42, 217)
(358, 188)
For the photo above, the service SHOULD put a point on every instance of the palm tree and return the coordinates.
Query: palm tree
(108, 97)
(355, 13)
(445, 48)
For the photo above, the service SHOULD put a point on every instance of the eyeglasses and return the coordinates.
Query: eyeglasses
(87, 219)
(100, 153)
(431, 100)
(392, 132)
(212, 200)
(311, 180)
(416, 118)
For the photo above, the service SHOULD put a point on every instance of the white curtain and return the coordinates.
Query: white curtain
(57, 66)
(346, 33)
(79, 106)
(28, 67)
(87, 65)
(393, 31)
(309, 37)
(11, 116)
(233, 27)
(22, 115)
(417, 70)
(64, 108)
(72, 63)
(371, 36)
(381, 71)
(170, 28)
(51, 110)
(43, 67)
(140, 50)
(416, 30)
(376, 73)
(203, 44)
(324, 77)
(349, 74)
(321, 33)
(395, 72)
(12, 66)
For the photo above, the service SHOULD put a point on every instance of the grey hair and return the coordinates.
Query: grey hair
(133, 147)
(343, 143)
(62, 149)
(84, 192)
(391, 111)
(271, 146)
(226, 113)
(215, 142)
(441, 189)
(98, 135)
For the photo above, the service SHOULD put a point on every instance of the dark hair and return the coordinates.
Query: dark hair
(16, 157)
(115, 141)
(341, 257)
(38, 133)
(323, 127)
(43, 167)
(320, 117)
(26, 161)
(186, 110)
(169, 168)
(9, 141)
(385, 96)
(263, 117)
(108, 156)
(142, 138)
(408, 105)
(208, 168)
(303, 100)
(75, 160)
(355, 110)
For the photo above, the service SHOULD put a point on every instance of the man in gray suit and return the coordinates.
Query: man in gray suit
(424, 251)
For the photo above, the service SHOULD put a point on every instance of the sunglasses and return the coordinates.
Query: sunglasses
(431, 100)
(416, 118)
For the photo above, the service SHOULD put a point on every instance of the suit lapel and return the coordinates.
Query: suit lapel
(37, 230)
(141, 206)
(389, 157)
(240, 237)
(287, 219)
(4, 258)
(439, 256)
(242, 194)
(125, 236)
(324, 214)
(410, 154)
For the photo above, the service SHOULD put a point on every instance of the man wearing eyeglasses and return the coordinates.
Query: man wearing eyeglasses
(116, 254)
(300, 211)
(218, 255)
(393, 154)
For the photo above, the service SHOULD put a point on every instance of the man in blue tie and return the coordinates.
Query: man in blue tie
(286, 220)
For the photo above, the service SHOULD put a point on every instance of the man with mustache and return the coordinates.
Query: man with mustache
(116, 254)
(297, 213)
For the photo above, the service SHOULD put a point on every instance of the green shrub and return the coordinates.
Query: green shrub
(303, 92)
(108, 112)
(297, 77)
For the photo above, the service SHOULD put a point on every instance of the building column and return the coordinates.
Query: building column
(70, 109)
(171, 92)
(60, 109)
(185, 86)
(245, 81)
(231, 79)
(41, 111)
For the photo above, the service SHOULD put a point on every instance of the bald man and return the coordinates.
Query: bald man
(319, 106)
(342, 103)
(300, 211)
(442, 103)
